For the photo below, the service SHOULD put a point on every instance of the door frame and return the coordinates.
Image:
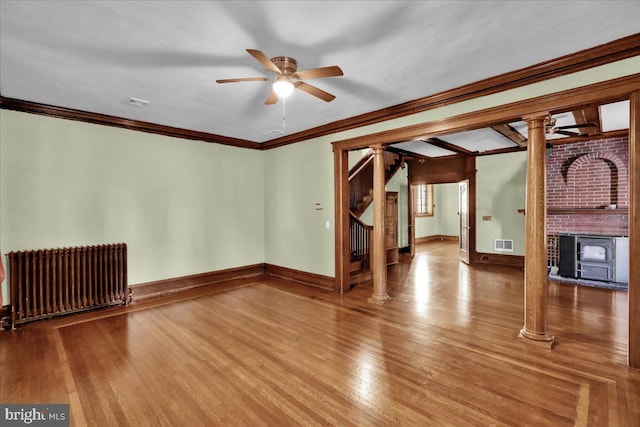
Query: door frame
(471, 178)
(465, 254)
(411, 211)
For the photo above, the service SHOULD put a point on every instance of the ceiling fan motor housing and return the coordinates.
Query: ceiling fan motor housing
(288, 66)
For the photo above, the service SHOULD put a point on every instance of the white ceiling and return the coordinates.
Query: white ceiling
(93, 56)
(424, 149)
(615, 116)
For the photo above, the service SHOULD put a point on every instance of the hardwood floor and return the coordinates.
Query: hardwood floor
(443, 351)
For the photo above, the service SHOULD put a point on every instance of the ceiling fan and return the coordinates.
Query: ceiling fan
(288, 77)
(563, 130)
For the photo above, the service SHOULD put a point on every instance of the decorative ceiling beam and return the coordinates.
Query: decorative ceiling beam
(502, 151)
(571, 139)
(586, 115)
(448, 146)
(408, 155)
(509, 132)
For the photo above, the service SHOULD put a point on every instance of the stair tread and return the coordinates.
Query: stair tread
(362, 271)
(355, 266)
(360, 276)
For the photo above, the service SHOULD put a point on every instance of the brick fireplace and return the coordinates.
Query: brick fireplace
(587, 190)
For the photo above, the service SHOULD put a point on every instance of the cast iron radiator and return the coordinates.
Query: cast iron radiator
(52, 282)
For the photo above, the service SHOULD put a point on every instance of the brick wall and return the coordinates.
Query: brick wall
(588, 175)
(611, 224)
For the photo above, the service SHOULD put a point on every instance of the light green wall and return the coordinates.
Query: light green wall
(183, 207)
(356, 155)
(501, 187)
(445, 215)
(297, 177)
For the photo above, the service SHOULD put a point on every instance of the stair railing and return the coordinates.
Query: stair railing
(360, 240)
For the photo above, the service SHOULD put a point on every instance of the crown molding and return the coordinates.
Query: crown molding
(102, 119)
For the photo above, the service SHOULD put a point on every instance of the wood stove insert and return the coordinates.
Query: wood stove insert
(594, 257)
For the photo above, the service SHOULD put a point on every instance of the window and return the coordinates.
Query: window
(424, 200)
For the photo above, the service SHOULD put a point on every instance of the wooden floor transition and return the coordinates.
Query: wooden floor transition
(269, 352)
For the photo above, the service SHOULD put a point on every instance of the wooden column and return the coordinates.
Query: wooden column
(634, 232)
(341, 203)
(536, 280)
(378, 249)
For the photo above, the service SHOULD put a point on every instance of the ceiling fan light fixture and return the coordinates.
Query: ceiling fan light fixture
(288, 78)
(283, 87)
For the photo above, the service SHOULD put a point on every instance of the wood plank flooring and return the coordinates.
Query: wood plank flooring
(269, 352)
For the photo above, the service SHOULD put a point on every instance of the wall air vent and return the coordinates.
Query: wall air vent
(502, 245)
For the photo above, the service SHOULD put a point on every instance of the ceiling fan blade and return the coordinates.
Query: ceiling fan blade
(586, 125)
(312, 90)
(243, 79)
(272, 98)
(316, 73)
(564, 132)
(262, 58)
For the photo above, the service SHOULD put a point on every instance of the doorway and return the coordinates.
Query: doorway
(442, 220)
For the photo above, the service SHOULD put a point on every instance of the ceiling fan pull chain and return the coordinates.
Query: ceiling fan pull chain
(283, 113)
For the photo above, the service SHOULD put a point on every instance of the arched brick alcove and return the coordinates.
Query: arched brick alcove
(596, 180)
(582, 179)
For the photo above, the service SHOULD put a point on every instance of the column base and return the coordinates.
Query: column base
(541, 340)
(379, 299)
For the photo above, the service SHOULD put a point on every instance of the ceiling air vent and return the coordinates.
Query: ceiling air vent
(502, 245)
(137, 102)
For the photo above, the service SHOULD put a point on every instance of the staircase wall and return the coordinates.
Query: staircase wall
(356, 155)
(399, 183)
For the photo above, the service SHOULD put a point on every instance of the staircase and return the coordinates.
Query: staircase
(361, 180)
(359, 247)
(360, 197)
